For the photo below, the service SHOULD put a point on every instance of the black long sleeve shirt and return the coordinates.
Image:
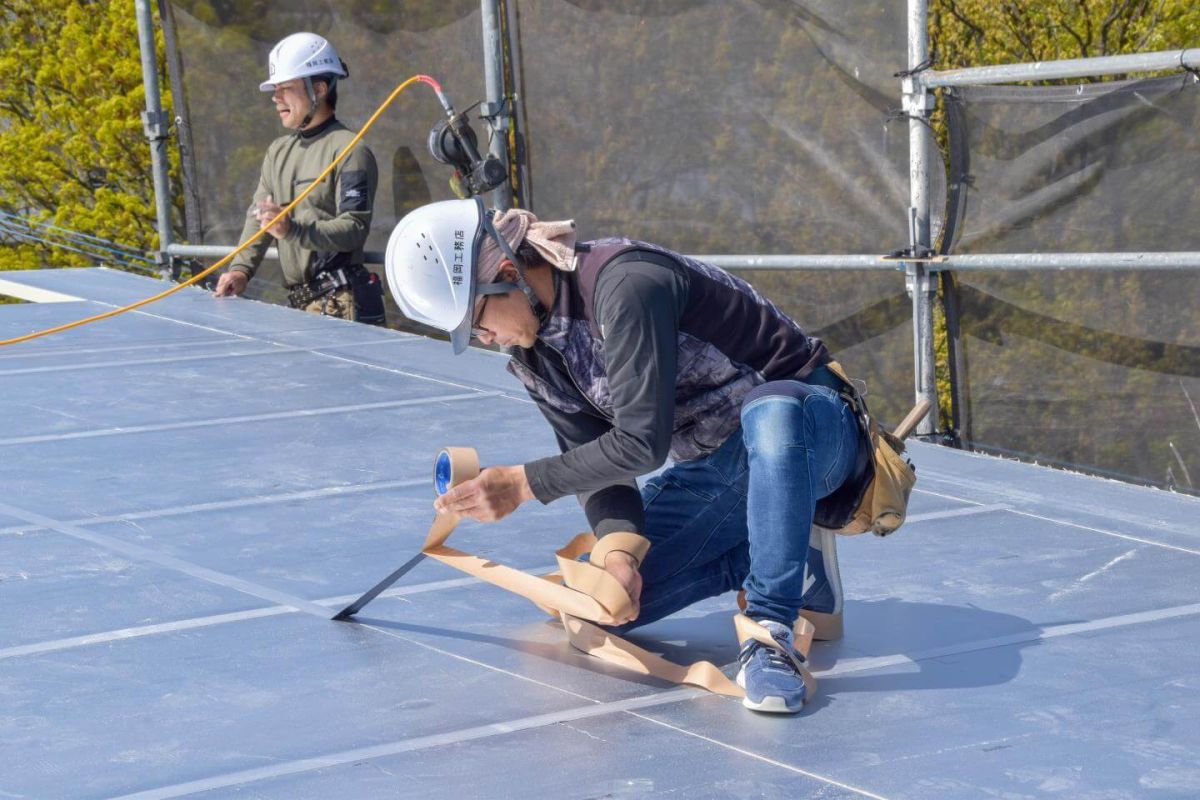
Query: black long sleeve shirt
(638, 306)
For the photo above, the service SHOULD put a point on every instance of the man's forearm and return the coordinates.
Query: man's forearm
(613, 458)
(346, 233)
(249, 259)
(614, 508)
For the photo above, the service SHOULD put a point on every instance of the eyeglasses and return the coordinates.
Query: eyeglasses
(476, 331)
(486, 292)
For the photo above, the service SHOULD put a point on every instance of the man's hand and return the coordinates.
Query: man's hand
(493, 495)
(624, 568)
(231, 283)
(265, 211)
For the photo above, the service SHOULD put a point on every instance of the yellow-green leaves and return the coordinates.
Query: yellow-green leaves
(969, 33)
(72, 151)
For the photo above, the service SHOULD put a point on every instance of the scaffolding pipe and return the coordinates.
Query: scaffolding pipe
(1061, 262)
(216, 251)
(983, 262)
(918, 103)
(519, 119)
(1031, 262)
(495, 109)
(801, 262)
(1064, 69)
(193, 224)
(155, 124)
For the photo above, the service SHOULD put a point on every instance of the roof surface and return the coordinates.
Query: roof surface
(188, 489)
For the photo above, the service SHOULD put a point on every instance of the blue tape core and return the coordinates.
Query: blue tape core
(441, 473)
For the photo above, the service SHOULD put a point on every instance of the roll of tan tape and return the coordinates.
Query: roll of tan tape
(452, 466)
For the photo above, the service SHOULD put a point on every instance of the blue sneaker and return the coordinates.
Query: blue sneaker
(821, 603)
(775, 680)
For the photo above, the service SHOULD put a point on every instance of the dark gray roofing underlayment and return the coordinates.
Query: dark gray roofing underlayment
(188, 490)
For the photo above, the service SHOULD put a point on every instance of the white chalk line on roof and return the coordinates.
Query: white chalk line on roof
(1058, 521)
(1065, 495)
(278, 350)
(162, 559)
(597, 708)
(54, 352)
(760, 757)
(973, 508)
(230, 420)
(236, 503)
(1127, 537)
(316, 352)
(633, 704)
(139, 631)
(221, 619)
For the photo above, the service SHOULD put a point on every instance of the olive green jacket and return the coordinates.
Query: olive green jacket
(330, 227)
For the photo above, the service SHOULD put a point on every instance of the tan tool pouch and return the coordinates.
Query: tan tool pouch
(884, 503)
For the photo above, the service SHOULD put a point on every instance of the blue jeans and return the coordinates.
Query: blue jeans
(741, 517)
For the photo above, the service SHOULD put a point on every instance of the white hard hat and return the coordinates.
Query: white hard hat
(302, 55)
(431, 262)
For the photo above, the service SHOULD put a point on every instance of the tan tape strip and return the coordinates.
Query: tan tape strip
(810, 625)
(590, 595)
(630, 543)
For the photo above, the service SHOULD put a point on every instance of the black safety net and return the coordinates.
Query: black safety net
(732, 127)
(1098, 370)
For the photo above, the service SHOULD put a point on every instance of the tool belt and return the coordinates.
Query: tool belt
(883, 504)
(325, 283)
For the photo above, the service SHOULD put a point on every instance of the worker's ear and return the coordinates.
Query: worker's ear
(508, 273)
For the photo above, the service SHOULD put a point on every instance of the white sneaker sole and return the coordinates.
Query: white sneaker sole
(771, 704)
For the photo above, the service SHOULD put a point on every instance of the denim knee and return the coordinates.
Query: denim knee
(776, 416)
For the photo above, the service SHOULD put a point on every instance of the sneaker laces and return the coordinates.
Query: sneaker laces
(776, 659)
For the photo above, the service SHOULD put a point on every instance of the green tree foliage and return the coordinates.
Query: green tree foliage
(968, 33)
(72, 150)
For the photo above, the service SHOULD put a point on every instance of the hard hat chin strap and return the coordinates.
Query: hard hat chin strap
(312, 103)
(539, 310)
(330, 82)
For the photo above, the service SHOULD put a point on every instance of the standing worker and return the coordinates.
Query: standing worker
(633, 353)
(321, 242)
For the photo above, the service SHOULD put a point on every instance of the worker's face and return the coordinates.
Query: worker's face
(291, 101)
(507, 319)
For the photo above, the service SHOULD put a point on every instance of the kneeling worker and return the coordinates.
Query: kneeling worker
(321, 243)
(633, 353)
